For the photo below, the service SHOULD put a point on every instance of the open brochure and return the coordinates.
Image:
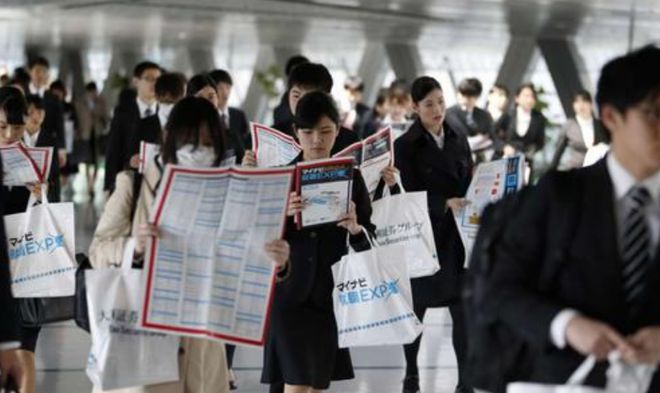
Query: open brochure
(490, 183)
(23, 165)
(400, 128)
(272, 147)
(372, 155)
(325, 188)
(207, 274)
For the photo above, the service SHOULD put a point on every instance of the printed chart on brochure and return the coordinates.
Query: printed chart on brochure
(208, 275)
(490, 183)
(272, 147)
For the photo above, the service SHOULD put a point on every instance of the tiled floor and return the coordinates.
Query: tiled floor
(62, 348)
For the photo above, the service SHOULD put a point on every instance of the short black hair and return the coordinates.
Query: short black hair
(470, 87)
(13, 103)
(312, 107)
(221, 76)
(170, 84)
(526, 86)
(583, 95)
(21, 77)
(311, 76)
(91, 86)
(199, 82)
(630, 79)
(184, 126)
(422, 86)
(35, 100)
(293, 62)
(501, 87)
(58, 85)
(38, 61)
(143, 66)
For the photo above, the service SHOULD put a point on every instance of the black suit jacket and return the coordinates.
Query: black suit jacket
(239, 133)
(345, 138)
(148, 130)
(443, 174)
(456, 117)
(54, 119)
(534, 140)
(535, 277)
(125, 120)
(9, 324)
(282, 112)
(47, 139)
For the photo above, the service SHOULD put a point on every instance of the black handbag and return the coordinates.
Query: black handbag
(81, 316)
(35, 312)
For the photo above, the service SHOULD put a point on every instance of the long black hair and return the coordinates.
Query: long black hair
(184, 126)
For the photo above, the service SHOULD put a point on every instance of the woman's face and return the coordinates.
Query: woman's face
(582, 108)
(9, 133)
(431, 109)
(210, 94)
(317, 142)
(526, 99)
(498, 99)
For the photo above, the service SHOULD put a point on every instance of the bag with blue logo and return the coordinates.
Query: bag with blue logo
(373, 299)
(41, 248)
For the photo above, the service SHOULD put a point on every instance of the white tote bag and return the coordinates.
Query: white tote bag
(373, 299)
(621, 378)
(122, 355)
(404, 219)
(41, 246)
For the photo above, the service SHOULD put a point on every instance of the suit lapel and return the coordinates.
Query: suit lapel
(431, 155)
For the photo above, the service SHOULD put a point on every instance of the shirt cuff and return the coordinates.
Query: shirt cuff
(10, 345)
(559, 325)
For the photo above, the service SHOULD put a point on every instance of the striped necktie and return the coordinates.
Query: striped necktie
(636, 248)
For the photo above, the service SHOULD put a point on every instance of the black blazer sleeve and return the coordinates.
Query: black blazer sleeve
(519, 265)
(238, 122)
(122, 126)
(363, 211)
(48, 140)
(9, 330)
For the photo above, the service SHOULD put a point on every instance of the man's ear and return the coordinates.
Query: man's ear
(611, 117)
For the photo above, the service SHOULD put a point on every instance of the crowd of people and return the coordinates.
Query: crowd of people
(593, 294)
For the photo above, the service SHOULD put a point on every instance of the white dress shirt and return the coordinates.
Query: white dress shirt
(587, 130)
(143, 106)
(39, 91)
(622, 182)
(30, 140)
(523, 119)
(439, 139)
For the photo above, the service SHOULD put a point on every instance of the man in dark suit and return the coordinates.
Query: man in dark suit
(170, 89)
(10, 340)
(602, 293)
(305, 78)
(39, 69)
(470, 120)
(125, 119)
(282, 112)
(360, 114)
(37, 136)
(234, 118)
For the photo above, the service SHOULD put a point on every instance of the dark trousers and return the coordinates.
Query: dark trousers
(459, 340)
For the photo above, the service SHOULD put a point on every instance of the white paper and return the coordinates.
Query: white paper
(372, 155)
(148, 153)
(400, 128)
(18, 168)
(43, 158)
(207, 274)
(272, 147)
(595, 154)
(490, 183)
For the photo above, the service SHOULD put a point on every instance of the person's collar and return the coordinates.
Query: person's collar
(224, 111)
(522, 114)
(582, 120)
(143, 106)
(40, 91)
(623, 181)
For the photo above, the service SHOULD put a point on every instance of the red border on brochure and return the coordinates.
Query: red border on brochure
(315, 164)
(22, 149)
(170, 172)
(255, 127)
(45, 172)
(348, 150)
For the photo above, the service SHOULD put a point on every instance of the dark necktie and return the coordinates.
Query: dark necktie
(223, 120)
(148, 112)
(636, 247)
